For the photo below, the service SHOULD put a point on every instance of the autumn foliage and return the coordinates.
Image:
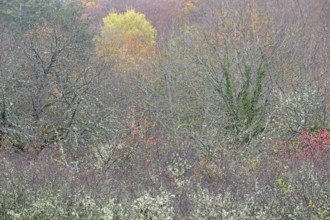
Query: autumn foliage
(314, 145)
(126, 38)
(164, 109)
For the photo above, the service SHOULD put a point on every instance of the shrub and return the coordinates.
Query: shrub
(314, 145)
(300, 109)
(148, 207)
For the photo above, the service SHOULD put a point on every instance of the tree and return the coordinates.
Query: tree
(22, 14)
(227, 49)
(49, 68)
(126, 39)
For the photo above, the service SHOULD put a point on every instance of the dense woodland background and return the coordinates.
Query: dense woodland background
(164, 109)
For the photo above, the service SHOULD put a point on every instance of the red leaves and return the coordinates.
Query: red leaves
(314, 145)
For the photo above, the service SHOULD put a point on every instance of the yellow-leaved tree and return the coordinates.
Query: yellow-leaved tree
(126, 39)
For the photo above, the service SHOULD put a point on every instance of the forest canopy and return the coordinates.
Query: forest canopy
(127, 38)
(163, 109)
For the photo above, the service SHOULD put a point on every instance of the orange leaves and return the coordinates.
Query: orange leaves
(189, 6)
(143, 130)
(241, 21)
(41, 31)
(182, 9)
(92, 4)
(5, 142)
(127, 39)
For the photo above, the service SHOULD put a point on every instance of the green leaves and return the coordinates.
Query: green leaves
(127, 37)
(284, 187)
(22, 14)
(244, 107)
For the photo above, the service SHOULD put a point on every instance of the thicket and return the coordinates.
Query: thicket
(224, 115)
